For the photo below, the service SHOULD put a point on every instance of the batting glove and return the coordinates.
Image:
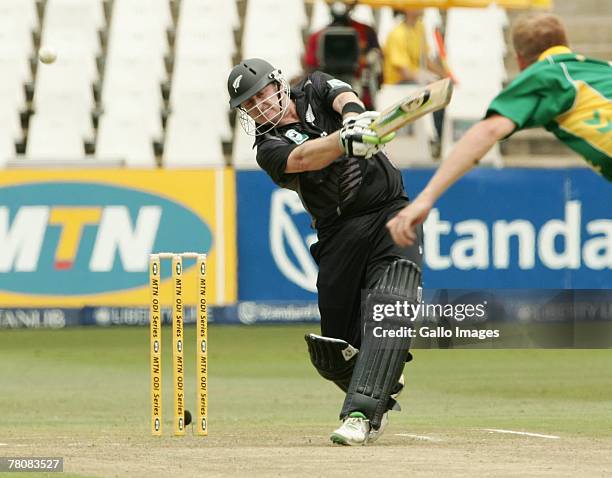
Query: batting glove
(364, 119)
(361, 142)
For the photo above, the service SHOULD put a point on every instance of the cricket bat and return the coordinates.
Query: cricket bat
(428, 99)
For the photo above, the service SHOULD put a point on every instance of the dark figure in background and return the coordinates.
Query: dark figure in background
(366, 74)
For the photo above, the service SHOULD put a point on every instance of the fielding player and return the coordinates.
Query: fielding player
(568, 94)
(309, 139)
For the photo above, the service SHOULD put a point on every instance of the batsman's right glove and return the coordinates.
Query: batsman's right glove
(364, 119)
(359, 141)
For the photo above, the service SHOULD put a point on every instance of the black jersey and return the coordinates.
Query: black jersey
(345, 188)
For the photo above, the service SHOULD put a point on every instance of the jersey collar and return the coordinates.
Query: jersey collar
(555, 50)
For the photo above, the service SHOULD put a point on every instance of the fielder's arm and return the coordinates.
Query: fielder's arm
(466, 154)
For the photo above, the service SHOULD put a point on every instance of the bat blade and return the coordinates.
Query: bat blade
(428, 99)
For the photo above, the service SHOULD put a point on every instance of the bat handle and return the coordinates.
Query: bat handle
(376, 140)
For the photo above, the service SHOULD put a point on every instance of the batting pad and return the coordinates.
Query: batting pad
(334, 359)
(381, 359)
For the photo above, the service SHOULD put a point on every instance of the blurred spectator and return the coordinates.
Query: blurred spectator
(407, 60)
(406, 53)
(366, 75)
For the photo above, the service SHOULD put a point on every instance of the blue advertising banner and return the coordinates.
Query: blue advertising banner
(274, 235)
(510, 228)
(514, 228)
(242, 313)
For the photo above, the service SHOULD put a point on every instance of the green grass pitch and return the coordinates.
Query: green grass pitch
(84, 394)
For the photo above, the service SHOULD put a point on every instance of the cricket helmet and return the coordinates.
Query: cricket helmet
(248, 78)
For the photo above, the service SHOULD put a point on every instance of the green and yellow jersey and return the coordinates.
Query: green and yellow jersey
(569, 95)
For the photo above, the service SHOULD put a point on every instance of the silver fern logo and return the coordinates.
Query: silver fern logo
(310, 117)
(236, 83)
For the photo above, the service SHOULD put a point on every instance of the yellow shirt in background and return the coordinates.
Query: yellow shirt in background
(404, 48)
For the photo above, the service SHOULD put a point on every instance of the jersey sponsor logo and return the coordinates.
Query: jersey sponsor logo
(290, 249)
(236, 83)
(296, 136)
(336, 83)
(590, 118)
(73, 238)
(603, 125)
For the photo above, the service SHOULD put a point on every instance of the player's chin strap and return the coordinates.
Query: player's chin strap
(381, 360)
(279, 95)
(279, 80)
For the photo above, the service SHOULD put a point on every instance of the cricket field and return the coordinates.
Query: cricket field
(83, 394)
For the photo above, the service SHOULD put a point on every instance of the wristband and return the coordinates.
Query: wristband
(352, 107)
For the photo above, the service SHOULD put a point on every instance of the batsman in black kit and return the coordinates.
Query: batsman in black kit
(315, 139)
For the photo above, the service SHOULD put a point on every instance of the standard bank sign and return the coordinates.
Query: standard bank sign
(74, 238)
(559, 243)
(472, 244)
(289, 246)
(512, 228)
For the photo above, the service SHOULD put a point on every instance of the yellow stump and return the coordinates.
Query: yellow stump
(202, 350)
(177, 346)
(155, 347)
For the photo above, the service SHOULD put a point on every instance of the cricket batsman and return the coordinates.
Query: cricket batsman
(310, 139)
(566, 93)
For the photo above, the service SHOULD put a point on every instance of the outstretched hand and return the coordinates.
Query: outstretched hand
(402, 226)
